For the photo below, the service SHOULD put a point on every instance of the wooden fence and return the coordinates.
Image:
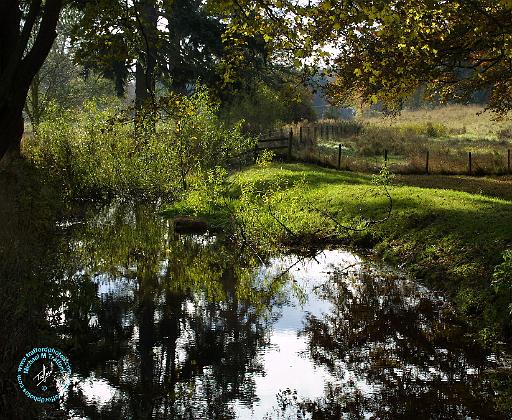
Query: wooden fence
(472, 164)
(299, 143)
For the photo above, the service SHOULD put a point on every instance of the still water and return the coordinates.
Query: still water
(164, 326)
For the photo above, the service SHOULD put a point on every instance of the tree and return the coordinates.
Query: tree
(21, 58)
(60, 80)
(388, 48)
(189, 42)
(253, 32)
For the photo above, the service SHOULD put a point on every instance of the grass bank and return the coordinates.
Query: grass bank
(451, 240)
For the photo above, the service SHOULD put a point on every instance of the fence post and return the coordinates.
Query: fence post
(508, 166)
(385, 156)
(339, 157)
(426, 165)
(470, 168)
(290, 140)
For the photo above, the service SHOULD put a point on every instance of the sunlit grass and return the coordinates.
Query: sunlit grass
(465, 121)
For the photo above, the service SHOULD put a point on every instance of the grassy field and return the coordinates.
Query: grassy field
(447, 133)
(450, 239)
(464, 121)
(497, 186)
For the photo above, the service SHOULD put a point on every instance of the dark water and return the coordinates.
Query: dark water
(161, 326)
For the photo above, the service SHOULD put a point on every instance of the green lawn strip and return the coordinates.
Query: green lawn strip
(452, 240)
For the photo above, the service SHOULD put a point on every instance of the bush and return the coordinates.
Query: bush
(502, 277)
(267, 108)
(101, 151)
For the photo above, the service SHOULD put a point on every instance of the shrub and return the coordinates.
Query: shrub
(100, 150)
(502, 277)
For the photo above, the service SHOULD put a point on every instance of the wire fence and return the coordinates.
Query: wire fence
(324, 144)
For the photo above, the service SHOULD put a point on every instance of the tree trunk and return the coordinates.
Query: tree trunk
(19, 64)
(145, 118)
(11, 131)
(146, 63)
(32, 108)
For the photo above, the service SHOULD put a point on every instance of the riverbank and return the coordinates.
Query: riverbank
(451, 240)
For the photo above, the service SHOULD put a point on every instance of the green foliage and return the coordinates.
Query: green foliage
(200, 39)
(502, 277)
(60, 80)
(265, 158)
(389, 48)
(384, 178)
(265, 107)
(98, 151)
(449, 238)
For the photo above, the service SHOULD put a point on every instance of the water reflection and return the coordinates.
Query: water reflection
(394, 350)
(164, 326)
(178, 321)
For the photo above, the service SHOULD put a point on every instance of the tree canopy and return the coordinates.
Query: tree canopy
(388, 48)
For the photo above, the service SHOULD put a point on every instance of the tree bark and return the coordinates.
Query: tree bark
(11, 131)
(19, 64)
(147, 17)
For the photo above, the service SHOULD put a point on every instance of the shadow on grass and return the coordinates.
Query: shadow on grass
(493, 187)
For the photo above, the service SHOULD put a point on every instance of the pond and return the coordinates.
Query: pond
(164, 326)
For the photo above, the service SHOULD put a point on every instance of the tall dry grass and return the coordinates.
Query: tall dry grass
(448, 134)
(470, 121)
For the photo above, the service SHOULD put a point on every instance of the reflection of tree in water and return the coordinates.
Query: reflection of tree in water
(172, 325)
(32, 255)
(396, 351)
(183, 323)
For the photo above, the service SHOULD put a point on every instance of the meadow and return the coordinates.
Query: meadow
(447, 133)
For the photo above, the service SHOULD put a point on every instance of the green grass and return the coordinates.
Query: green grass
(450, 239)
